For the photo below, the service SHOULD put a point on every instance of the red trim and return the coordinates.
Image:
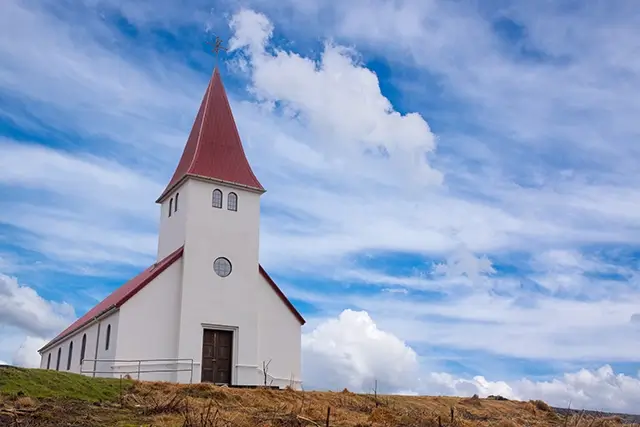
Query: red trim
(282, 296)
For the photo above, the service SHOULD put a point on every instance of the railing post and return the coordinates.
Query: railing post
(139, 362)
(191, 376)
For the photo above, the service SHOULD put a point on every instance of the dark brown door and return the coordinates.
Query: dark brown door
(216, 356)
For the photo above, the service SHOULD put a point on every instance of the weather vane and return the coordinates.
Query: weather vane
(217, 47)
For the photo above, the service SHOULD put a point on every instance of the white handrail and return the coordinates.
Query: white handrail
(290, 380)
(138, 363)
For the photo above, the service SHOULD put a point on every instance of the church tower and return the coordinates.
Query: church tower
(214, 162)
(211, 207)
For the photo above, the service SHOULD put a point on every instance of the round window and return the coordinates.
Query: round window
(222, 267)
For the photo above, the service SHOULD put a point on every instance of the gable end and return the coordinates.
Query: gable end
(282, 296)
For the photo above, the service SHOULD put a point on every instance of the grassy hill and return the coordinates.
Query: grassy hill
(40, 398)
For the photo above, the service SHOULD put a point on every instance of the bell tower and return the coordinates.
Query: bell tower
(213, 185)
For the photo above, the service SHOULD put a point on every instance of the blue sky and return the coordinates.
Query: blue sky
(461, 178)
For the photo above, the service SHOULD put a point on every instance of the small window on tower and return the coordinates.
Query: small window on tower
(170, 206)
(175, 206)
(232, 202)
(217, 199)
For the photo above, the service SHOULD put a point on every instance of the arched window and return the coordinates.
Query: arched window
(70, 355)
(58, 360)
(217, 199)
(232, 202)
(83, 347)
(49, 361)
(175, 206)
(106, 344)
(170, 206)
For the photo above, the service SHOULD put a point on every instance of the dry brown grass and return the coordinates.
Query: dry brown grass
(201, 405)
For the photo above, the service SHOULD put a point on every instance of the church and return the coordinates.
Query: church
(206, 310)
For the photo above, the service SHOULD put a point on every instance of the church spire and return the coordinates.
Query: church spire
(214, 149)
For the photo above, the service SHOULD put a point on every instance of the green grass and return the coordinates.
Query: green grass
(41, 383)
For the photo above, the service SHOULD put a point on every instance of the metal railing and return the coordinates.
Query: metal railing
(291, 381)
(140, 366)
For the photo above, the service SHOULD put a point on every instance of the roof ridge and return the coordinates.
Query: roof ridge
(235, 126)
(202, 119)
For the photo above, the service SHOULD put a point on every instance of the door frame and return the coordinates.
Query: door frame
(235, 333)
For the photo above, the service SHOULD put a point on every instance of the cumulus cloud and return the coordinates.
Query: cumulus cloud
(23, 308)
(351, 351)
(28, 321)
(336, 95)
(27, 354)
(595, 389)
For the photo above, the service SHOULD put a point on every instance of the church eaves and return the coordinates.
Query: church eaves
(214, 148)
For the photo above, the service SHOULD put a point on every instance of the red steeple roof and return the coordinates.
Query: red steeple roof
(214, 149)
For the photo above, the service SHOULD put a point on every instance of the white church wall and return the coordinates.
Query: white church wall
(97, 346)
(150, 321)
(172, 228)
(280, 339)
(95, 349)
(208, 299)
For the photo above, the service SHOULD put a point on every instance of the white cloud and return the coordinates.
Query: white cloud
(28, 321)
(464, 263)
(337, 96)
(67, 82)
(90, 204)
(540, 329)
(351, 351)
(599, 389)
(22, 308)
(27, 354)
(250, 30)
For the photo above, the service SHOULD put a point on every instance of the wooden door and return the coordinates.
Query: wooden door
(216, 356)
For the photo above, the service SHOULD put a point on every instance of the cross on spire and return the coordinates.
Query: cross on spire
(217, 47)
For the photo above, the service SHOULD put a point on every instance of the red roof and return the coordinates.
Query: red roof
(122, 294)
(135, 285)
(214, 149)
(281, 295)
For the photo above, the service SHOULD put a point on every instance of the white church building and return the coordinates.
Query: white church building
(206, 310)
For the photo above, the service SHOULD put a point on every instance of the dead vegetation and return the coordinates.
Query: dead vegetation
(201, 405)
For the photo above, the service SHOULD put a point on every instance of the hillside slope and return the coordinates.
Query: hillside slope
(34, 397)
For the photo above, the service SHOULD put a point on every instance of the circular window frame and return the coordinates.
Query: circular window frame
(222, 259)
